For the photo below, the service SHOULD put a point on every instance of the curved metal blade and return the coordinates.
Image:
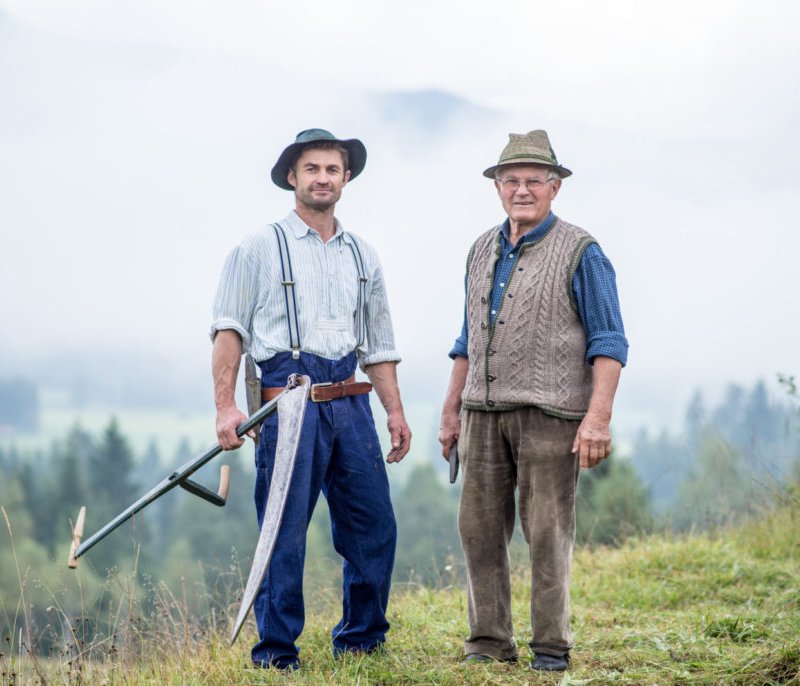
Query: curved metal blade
(291, 410)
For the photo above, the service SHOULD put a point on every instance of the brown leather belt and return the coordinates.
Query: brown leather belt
(322, 392)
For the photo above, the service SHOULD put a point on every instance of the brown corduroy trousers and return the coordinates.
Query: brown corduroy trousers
(498, 452)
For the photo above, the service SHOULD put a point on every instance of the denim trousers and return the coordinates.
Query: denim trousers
(339, 455)
(501, 452)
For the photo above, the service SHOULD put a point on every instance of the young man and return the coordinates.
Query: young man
(305, 296)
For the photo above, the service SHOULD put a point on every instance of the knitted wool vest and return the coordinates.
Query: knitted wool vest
(534, 352)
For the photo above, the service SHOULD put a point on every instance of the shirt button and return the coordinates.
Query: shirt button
(494, 311)
(511, 255)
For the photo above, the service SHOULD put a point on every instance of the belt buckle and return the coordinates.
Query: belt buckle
(314, 390)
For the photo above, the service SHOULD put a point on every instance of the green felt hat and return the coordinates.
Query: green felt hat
(529, 148)
(357, 154)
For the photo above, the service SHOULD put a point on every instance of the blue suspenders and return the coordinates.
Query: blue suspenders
(288, 291)
(361, 327)
(290, 298)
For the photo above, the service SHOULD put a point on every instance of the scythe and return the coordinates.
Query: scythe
(290, 405)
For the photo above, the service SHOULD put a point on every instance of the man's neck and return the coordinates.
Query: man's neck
(516, 230)
(321, 221)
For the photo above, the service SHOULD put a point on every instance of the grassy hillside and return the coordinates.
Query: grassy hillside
(723, 609)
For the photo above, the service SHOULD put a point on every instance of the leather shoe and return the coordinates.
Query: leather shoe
(549, 663)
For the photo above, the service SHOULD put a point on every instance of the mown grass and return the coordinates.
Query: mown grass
(700, 609)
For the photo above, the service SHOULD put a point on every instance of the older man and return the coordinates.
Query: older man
(529, 401)
(305, 296)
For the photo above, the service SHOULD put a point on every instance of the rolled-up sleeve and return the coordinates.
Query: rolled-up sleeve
(380, 333)
(594, 286)
(236, 295)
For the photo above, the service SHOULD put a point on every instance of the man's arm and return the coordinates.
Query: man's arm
(593, 440)
(450, 423)
(225, 356)
(383, 376)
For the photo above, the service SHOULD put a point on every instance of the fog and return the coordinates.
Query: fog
(136, 140)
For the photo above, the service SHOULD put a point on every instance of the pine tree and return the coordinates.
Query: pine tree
(112, 488)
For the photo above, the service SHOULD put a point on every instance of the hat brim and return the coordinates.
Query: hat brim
(563, 172)
(357, 154)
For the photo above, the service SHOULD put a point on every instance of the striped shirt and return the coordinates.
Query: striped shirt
(593, 286)
(251, 299)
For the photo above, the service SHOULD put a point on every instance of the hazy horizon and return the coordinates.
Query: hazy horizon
(137, 141)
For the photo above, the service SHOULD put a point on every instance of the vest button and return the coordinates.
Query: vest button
(492, 352)
(502, 321)
(483, 300)
(483, 325)
(490, 403)
(490, 378)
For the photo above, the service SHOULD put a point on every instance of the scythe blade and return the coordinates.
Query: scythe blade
(291, 410)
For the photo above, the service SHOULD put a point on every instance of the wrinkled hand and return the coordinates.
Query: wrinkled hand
(400, 435)
(228, 420)
(449, 431)
(593, 441)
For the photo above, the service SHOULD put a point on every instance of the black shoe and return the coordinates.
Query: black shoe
(549, 663)
(480, 657)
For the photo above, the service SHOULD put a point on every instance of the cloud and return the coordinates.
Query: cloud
(137, 138)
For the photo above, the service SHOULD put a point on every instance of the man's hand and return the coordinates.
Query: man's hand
(450, 423)
(228, 420)
(400, 435)
(449, 431)
(383, 376)
(593, 441)
(225, 357)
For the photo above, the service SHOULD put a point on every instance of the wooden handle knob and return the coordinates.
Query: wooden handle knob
(77, 534)
(224, 481)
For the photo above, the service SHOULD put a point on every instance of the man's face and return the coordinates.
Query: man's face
(526, 193)
(318, 178)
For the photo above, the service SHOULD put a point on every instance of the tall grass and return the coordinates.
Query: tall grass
(722, 608)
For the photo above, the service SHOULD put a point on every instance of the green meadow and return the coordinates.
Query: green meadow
(719, 608)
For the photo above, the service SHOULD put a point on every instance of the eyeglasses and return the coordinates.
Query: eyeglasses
(513, 184)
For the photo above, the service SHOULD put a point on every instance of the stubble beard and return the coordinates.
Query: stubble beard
(307, 199)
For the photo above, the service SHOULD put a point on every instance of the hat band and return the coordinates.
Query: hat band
(549, 160)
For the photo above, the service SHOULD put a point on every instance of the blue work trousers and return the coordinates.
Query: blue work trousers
(339, 454)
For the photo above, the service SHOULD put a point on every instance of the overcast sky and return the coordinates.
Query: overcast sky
(136, 140)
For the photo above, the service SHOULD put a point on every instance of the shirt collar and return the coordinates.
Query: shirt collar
(300, 229)
(537, 232)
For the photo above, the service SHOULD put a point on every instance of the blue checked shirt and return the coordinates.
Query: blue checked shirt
(593, 285)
